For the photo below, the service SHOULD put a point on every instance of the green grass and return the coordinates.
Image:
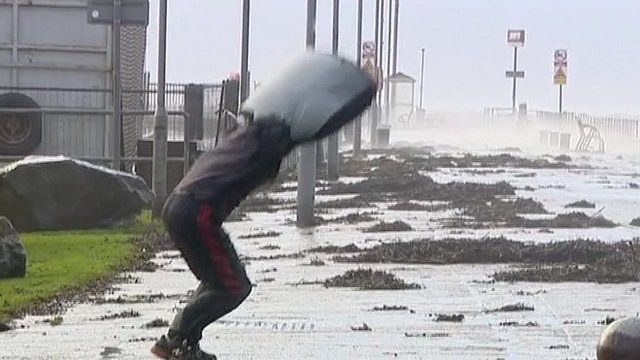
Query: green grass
(59, 261)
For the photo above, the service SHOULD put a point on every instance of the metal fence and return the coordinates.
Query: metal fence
(77, 112)
(174, 101)
(77, 122)
(612, 127)
(619, 134)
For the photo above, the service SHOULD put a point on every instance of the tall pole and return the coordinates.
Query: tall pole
(395, 36)
(117, 85)
(560, 100)
(357, 129)
(332, 144)
(160, 126)
(515, 67)
(422, 78)
(375, 107)
(307, 160)
(244, 56)
(387, 101)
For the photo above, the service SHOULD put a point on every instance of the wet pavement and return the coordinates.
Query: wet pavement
(283, 319)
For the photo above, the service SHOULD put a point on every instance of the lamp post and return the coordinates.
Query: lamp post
(161, 118)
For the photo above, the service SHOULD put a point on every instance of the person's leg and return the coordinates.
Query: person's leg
(212, 258)
(225, 289)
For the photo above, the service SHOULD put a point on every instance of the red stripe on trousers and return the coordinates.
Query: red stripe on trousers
(216, 252)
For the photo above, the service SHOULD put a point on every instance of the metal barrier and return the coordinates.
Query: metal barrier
(52, 112)
(617, 132)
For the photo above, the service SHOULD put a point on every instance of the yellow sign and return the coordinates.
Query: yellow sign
(560, 78)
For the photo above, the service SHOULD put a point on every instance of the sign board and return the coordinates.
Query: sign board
(560, 67)
(368, 50)
(516, 74)
(515, 37)
(132, 12)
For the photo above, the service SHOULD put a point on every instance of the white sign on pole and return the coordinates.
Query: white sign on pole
(560, 67)
(368, 50)
(515, 38)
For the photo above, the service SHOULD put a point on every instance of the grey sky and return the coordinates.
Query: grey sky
(467, 53)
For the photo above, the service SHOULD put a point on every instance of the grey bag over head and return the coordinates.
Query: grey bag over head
(314, 95)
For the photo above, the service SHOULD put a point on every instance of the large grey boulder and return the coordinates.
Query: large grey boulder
(13, 256)
(620, 340)
(59, 193)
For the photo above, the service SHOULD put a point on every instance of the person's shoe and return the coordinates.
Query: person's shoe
(193, 352)
(163, 348)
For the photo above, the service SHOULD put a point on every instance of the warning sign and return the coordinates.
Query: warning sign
(560, 67)
(560, 77)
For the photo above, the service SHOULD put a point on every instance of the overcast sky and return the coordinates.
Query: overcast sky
(467, 54)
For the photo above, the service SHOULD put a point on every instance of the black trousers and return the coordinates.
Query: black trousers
(195, 227)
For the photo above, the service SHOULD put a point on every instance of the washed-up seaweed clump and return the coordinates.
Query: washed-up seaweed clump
(384, 226)
(413, 206)
(487, 250)
(352, 203)
(513, 308)
(486, 216)
(489, 161)
(582, 204)
(415, 186)
(121, 315)
(260, 202)
(498, 211)
(368, 279)
(334, 249)
(575, 260)
(260, 235)
(354, 218)
(156, 323)
(449, 318)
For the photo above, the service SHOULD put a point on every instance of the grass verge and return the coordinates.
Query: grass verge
(69, 261)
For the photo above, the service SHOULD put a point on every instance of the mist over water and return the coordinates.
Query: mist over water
(476, 131)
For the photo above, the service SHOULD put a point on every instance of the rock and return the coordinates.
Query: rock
(620, 340)
(13, 256)
(4, 327)
(59, 193)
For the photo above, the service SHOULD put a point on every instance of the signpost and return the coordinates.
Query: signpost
(560, 72)
(357, 125)
(369, 50)
(515, 38)
(369, 59)
(117, 13)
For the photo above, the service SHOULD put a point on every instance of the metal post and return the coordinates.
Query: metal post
(395, 37)
(515, 68)
(357, 130)
(375, 109)
(332, 144)
(161, 118)
(560, 100)
(422, 78)
(307, 160)
(117, 85)
(244, 56)
(14, 45)
(387, 102)
(186, 145)
(381, 45)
